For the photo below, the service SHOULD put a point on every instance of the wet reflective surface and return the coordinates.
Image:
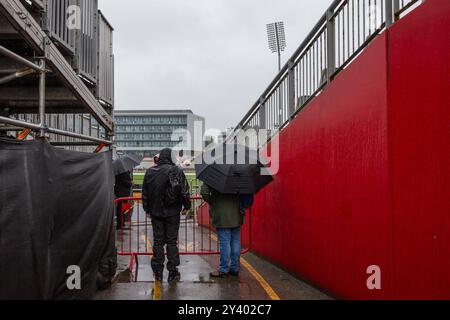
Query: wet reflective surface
(196, 284)
(258, 279)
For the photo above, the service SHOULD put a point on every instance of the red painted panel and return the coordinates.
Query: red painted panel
(203, 217)
(327, 214)
(364, 171)
(258, 226)
(419, 95)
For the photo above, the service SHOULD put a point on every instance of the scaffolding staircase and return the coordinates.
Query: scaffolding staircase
(41, 67)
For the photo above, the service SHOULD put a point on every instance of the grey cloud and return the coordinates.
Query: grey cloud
(207, 55)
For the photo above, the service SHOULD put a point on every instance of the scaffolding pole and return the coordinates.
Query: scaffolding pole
(38, 128)
(16, 75)
(42, 101)
(41, 128)
(14, 56)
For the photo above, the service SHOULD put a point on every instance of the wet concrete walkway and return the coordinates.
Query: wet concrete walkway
(258, 279)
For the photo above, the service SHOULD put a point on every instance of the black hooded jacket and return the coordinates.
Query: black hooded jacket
(123, 185)
(155, 184)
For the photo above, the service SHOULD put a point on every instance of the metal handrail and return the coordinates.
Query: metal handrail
(39, 127)
(50, 55)
(9, 54)
(341, 34)
(19, 17)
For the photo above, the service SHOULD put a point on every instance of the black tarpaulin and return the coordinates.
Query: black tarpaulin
(56, 210)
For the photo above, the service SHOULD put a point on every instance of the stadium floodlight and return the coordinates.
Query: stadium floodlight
(277, 39)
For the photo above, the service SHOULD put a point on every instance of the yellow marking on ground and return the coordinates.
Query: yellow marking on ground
(264, 284)
(157, 290)
(156, 284)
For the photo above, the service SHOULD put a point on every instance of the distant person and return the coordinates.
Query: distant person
(165, 194)
(122, 189)
(156, 159)
(227, 217)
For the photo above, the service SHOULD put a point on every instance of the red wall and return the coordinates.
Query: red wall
(419, 96)
(363, 173)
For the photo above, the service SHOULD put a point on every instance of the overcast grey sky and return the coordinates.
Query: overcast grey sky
(210, 56)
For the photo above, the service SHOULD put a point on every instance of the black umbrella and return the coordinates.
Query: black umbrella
(126, 163)
(233, 169)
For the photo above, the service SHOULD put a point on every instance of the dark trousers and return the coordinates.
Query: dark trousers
(119, 215)
(165, 233)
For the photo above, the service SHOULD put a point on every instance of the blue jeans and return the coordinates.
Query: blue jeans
(230, 249)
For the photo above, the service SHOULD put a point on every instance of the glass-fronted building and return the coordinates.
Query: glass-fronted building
(148, 131)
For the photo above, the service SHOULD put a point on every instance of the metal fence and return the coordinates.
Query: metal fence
(105, 81)
(87, 40)
(77, 123)
(56, 24)
(196, 234)
(82, 43)
(341, 34)
(54, 14)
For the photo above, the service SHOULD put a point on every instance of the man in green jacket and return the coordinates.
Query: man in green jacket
(226, 217)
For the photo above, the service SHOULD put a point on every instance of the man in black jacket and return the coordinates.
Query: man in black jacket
(165, 193)
(122, 189)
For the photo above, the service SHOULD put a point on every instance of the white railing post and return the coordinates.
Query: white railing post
(389, 13)
(331, 46)
(291, 89)
(262, 113)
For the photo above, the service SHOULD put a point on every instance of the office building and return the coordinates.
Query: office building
(148, 131)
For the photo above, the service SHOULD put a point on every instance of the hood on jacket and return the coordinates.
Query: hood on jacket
(165, 156)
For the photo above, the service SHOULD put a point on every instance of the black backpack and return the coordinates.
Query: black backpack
(172, 195)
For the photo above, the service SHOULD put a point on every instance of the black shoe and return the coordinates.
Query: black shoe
(218, 274)
(174, 276)
(234, 273)
(158, 276)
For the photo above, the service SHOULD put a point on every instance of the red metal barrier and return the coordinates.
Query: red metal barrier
(196, 235)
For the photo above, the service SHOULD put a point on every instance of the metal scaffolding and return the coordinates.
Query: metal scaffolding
(49, 59)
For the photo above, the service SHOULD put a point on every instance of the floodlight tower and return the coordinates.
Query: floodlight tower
(277, 39)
